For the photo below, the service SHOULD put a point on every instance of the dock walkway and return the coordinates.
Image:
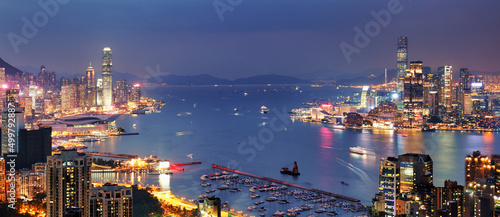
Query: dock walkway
(288, 184)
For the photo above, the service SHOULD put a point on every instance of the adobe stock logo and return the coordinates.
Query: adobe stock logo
(222, 7)
(372, 29)
(50, 8)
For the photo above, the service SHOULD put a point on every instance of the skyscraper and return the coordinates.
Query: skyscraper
(445, 77)
(98, 100)
(68, 97)
(463, 87)
(91, 87)
(107, 79)
(68, 182)
(413, 96)
(121, 95)
(402, 62)
(415, 170)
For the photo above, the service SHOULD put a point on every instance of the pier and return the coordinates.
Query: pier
(288, 184)
(186, 164)
(107, 154)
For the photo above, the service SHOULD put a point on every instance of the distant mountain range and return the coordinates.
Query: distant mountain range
(9, 69)
(367, 77)
(205, 79)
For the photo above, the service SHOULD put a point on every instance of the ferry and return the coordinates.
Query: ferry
(338, 126)
(360, 150)
(264, 110)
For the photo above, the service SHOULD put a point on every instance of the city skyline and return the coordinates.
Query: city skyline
(189, 44)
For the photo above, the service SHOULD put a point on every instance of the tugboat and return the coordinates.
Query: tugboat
(293, 172)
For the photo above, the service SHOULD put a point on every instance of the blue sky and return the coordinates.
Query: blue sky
(289, 37)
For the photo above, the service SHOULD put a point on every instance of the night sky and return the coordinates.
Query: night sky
(288, 37)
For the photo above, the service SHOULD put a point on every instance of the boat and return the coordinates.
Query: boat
(293, 172)
(428, 129)
(203, 178)
(283, 201)
(253, 196)
(135, 126)
(360, 150)
(258, 202)
(234, 190)
(206, 184)
(338, 126)
(279, 213)
(210, 191)
(271, 199)
(202, 196)
(264, 110)
(344, 183)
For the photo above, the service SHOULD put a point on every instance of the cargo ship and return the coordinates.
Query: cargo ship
(293, 172)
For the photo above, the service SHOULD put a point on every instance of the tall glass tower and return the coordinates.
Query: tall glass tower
(91, 90)
(402, 63)
(107, 78)
(413, 96)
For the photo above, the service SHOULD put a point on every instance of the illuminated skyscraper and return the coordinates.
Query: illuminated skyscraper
(402, 62)
(413, 96)
(68, 97)
(91, 87)
(135, 93)
(107, 79)
(445, 78)
(68, 182)
(464, 86)
(121, 95)
(98, 100)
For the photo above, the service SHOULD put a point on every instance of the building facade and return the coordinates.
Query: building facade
(68, 183)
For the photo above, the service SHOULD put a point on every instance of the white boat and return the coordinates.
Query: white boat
(338, 126)
(360, 150)
(264, 110)
(135, 126)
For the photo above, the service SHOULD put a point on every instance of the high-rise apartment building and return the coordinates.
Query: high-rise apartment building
(111, 200)
(68, 183)
(477, 166)
(450, 192)
(389, 183)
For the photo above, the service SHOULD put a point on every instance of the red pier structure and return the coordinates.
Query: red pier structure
(288, 184)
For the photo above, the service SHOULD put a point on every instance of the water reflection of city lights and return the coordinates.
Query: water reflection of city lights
(164, 180)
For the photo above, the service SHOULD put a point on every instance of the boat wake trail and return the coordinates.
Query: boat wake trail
(364, 177)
